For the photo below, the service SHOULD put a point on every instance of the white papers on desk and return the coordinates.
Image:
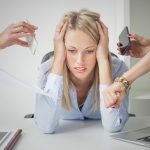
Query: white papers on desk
(22, 83)
(3, 136)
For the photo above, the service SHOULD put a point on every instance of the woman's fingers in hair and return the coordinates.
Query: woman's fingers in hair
(105, 29)
(63, 31)
(61, 28)
(99, 27)
(102, 27)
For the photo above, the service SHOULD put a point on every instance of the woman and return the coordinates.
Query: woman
(140, 48)
(80, 70)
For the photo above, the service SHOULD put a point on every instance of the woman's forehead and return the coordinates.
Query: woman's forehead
(78, 37)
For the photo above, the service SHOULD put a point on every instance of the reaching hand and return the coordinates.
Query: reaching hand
(113, 95)
(12, 34)
(139, 46)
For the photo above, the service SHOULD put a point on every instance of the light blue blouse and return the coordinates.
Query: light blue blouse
(48, 109)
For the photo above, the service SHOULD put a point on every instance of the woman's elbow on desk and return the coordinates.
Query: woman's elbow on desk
(46, 114)
(111, 129)
(114, 127)
(45, 128)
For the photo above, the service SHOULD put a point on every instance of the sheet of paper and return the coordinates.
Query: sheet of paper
(34, 88)
(32, 42)
(3, 136)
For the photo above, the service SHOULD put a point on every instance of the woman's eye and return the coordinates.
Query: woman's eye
(89, 51)
(72, 51)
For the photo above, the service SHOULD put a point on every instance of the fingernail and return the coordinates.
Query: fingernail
(129, 35)
(35, 27)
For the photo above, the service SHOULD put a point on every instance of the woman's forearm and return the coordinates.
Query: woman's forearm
(142, 67)
(104, 71)
(57, 67)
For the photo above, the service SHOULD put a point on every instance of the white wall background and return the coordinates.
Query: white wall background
(140, 24)
(45, 14)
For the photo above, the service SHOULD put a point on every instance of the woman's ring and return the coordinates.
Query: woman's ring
(57, 30)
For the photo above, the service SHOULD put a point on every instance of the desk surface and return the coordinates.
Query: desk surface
(15, 102)
(84, 135)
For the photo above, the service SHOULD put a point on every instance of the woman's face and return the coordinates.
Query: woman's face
(81, 53)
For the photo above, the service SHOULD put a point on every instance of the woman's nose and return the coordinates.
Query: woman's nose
(80, 59)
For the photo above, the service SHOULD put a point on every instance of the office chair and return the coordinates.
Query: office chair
(47, 57)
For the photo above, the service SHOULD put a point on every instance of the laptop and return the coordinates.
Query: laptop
(140, 136)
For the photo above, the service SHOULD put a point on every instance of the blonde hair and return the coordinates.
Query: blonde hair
(83, 20)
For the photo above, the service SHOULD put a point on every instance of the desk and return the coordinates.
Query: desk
(16, 101)
(74, 135)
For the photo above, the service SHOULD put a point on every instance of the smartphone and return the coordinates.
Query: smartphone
(124, 40)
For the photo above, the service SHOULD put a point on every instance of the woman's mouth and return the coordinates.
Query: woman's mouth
(80, 69)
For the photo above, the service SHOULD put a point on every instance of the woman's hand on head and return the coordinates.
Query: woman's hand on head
(59, 45)
(59, 49)
(113, 95)
(102, 49)
(139, 46)
(12, 34)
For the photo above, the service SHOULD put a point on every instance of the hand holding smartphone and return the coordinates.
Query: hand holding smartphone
(124, 40)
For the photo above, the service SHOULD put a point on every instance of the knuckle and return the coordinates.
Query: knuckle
(21, 27)
(22, 23)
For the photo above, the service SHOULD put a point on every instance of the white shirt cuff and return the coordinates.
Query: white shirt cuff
(54, 81)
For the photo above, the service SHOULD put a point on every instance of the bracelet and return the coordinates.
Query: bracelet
(124, 81)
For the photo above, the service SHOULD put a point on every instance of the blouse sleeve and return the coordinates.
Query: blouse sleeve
(114, 119)
(47, 108)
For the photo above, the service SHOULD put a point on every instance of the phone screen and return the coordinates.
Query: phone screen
(124, 40)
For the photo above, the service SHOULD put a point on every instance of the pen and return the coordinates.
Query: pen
(13, 140)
